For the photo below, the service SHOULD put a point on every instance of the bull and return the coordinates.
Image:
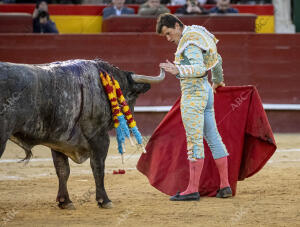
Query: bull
(63, 105)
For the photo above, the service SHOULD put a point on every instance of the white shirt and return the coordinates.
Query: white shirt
(182, 2)
(118, 11)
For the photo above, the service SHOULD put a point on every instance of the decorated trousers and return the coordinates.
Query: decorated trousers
(198, 116)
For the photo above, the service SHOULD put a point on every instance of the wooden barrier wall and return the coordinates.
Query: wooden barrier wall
(16, 23)
(213, 23)
(270, 62)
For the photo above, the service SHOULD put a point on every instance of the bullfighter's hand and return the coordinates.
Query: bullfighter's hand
(169, 67)
(215, 86)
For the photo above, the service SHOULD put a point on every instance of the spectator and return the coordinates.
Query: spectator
(252, 2)
(43, 24)
(182, 2)
(140, 2)
(117, 9)
(69, 1)
(202, 2)
(39, 7)
(223, 6)
(191, 7)
(178, 2)
(152, 7)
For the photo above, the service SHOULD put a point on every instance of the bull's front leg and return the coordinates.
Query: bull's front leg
(62, 168)
(99, 148)
(2, 146)
(5, 131)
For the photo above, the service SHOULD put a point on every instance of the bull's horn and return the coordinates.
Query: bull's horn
(149, 79)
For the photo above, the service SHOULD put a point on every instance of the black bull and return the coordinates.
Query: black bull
(63, 106)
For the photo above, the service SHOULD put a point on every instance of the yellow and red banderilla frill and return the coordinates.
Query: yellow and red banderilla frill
(117, 99)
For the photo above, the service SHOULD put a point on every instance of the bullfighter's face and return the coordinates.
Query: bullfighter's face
(172, 34)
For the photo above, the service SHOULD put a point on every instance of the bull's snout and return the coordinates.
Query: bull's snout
(146, 88)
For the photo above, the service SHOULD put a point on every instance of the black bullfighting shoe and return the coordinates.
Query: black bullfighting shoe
(187, 197)
(224, 192)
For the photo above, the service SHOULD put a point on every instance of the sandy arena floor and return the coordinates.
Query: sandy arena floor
(27, 194)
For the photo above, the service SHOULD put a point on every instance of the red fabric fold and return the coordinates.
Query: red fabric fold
(244, 128)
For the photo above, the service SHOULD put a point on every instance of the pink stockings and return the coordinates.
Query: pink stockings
(196, 170)
(195, 174)
(222, 165)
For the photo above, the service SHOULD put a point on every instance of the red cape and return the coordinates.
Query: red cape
(245, 130)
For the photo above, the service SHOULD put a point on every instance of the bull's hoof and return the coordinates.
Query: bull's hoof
(67, 206)
(107, 205)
